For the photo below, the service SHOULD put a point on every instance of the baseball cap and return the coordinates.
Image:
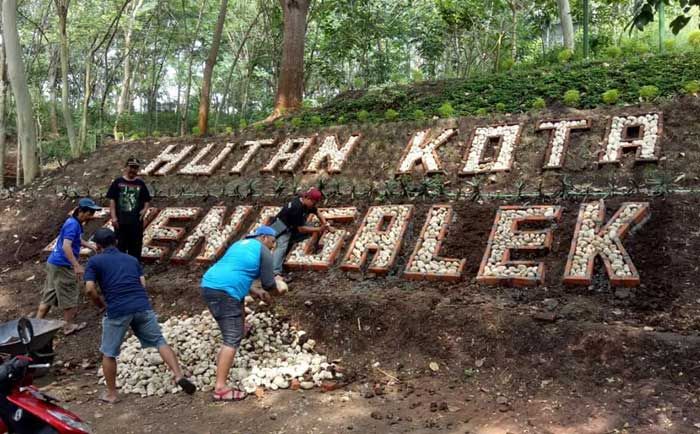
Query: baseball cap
(263, 230)
(86, 202)
(314, 194)
(104, 237)
(133, 161)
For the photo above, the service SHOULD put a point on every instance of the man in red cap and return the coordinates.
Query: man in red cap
(290, 225)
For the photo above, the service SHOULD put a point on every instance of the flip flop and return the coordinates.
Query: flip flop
(76, 328)
(103, 398)
(186, 385)
(229, 395)
(247, 330)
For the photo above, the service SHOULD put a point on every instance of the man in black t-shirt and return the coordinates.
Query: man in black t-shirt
(290, 225)
(129, 199)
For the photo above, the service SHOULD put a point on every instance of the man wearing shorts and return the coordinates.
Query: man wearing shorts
(63, 271)
(224, 288)
(123, 285)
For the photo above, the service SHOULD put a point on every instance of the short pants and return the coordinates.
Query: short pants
(144, 325)
(228, 313)
(62, 288)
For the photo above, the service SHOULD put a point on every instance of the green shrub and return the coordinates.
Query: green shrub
(196, 131)
(506, 64)
(694, 39)
(613, 52)
(572, 98)
(259, 126)
(242, 124)
(565, 55)
(692, 87)
(500, 107)
(342, 119)
(156, 133)
(648, 93)
(611, 96)
(316, 121)
(362, 115)
(279, 123)
(417, 75)
(228, 130)
(418, 114)
(297, 122)
(670, 45)
(481, 112)
(136, 136)
(391, 115)
(539, 104)
(446, 110)
(641, 48)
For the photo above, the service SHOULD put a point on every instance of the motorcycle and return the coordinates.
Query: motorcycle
(24, 409)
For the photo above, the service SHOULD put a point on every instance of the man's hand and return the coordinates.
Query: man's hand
(261, 294)
(79, 271)
(142, 213)
(115, 223)
(92, 246)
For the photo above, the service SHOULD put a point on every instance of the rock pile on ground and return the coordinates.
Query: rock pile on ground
(274, 356)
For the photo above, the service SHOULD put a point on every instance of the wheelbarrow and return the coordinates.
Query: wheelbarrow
(41, 346)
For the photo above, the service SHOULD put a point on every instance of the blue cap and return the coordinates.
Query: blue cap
(86, 202)
(263, 230)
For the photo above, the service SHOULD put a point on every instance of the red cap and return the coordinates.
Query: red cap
(314, 194)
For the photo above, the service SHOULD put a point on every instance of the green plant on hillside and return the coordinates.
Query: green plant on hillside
(391, 115)
(611, 96)
(648, 93)
(228, 130)
(446, 110)
(565, 55)
(362, 116)
(572, 98)
(341, 119)
(613, 52)
(279, 124)
(316, 121)
(506, 64)
(694, 39)
(539, 103)
(481, 111)
(242, 124)
(195, 131)
(500, 107)
(259, 126)
(670, 45)
(418, 114)
(297, 122)
(692, 87)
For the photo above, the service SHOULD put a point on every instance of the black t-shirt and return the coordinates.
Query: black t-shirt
(130, 197)
(294, 214)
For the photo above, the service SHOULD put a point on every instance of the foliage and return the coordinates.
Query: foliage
(391, 115)
(362, 116)
(481, 111)
(446, 110)
(315, 121)
(613, 52)
(196, 131)
(500, 107)
(539, 103)
(297, 122)
(611, 96)
(694, 39)
(565, 55)
(692, 87)
(418, 114)
(279, 123)
(648, 93)
(572, 98)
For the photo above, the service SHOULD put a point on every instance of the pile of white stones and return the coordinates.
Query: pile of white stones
(589, 243)
(386, 242)
(336, 156)
(425, 259)
(560, 137)
(158, 229)
(170, 158)
(194, 168)
(508, 135)
(649, 124)
(425, 152)
(287, 154)
(272, 357)
(216, 234)
(505, 239)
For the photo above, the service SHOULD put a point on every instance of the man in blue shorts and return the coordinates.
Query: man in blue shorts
(123, 286)
(224, 288)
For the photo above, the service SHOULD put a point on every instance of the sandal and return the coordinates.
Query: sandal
(186, 385)
(229, 395)
(103, 398)
(74, 329)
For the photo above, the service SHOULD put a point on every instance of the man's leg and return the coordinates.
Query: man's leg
(113, 332)
(122, 238)
(43, 310)
(68, 293)
(224, 362)
(109, 368)
(280, 252)
(137, 241)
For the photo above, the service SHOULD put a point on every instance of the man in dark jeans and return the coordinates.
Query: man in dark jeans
(123, 286)
(129, 199)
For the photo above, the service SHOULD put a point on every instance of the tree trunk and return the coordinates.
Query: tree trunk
(290, 86)
(86, 103)
(514, 32)
(26, 132)
(62, 11)
(205, 96)
(567, 26)
(184, 120)
(124, 100)
(53, 118)
(3, 129)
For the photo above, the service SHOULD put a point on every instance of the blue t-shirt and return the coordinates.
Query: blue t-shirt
(243, 262)
(71, 230)
(119, 277)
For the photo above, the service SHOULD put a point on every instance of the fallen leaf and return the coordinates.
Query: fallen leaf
(479, 362)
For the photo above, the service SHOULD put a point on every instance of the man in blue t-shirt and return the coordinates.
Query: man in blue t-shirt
(63, 271)
(123, 286)
(224, 288)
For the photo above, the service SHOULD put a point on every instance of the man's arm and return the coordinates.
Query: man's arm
(88, 244)
(267, 277)
(143, 281)
(91, 291)
(68, 251)
(113, 213)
